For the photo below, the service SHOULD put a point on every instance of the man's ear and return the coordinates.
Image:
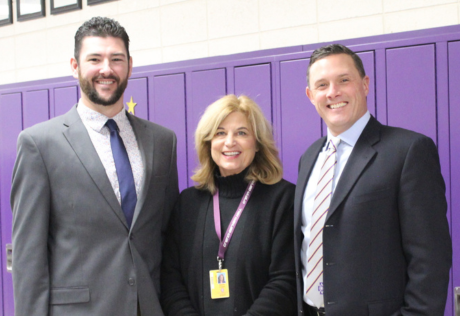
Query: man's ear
(74, 67)
(310, 95)
(366, 81)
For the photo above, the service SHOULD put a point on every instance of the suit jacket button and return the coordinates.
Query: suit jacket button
(131, 281)
(131, 237)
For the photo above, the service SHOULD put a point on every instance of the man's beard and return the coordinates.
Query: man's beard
(92, 94)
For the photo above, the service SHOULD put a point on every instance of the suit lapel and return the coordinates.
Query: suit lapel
(145, 140)
(78, 138)
(307, 163)
(361, 155)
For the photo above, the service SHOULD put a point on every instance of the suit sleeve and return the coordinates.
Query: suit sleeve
(424, 229)
(30, 202)
(174, 294)
(173, 187)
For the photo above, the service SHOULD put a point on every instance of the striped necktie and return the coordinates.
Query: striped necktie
(321, 206)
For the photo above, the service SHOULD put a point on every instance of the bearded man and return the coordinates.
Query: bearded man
(92, 193)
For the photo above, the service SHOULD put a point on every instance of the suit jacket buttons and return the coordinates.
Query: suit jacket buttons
(131, 237)
(131, 281)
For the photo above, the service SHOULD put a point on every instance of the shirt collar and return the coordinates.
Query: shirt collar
(351, 135)
(96, 120)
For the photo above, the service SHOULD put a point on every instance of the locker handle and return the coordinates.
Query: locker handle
(9, 257)
(457, 301)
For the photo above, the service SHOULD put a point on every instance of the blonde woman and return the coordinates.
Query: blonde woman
(235, 224)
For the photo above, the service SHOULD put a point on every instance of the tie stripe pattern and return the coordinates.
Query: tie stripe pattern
(320, 209)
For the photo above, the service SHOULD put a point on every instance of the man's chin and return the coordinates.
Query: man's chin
(109, 103)
(97, 99)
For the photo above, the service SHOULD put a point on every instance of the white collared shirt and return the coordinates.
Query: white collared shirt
(347, 143)
(100, 137)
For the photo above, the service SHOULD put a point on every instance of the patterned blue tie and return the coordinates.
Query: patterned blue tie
(124, 172)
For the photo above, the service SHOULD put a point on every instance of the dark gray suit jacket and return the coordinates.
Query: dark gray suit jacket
(73, 253)
(386, 243)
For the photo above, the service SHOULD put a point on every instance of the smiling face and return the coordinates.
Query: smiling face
(338, 92)
(233, 147)
(103, 71)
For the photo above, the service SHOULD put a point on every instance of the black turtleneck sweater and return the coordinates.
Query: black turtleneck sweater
(259, 259)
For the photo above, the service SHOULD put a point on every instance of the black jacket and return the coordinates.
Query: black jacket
(260, 257)
(386, 243)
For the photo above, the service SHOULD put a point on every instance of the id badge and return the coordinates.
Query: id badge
(219, 283)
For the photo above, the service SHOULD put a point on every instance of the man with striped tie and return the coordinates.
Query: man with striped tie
(371, 233)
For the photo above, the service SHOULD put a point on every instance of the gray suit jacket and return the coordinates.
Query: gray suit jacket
(386, 243)
(73, 253)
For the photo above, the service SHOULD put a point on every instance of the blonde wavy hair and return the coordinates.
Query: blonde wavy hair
(266, 166)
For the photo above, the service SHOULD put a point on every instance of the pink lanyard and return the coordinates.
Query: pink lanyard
(231, 228)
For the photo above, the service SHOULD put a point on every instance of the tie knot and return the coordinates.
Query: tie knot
(334, 143)
(112, 125)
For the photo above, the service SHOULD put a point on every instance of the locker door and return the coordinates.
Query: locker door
(206, 87)
(454, 107)
(300, 123)
(136, 97)
(411, 89)
(368, 63)
(255, 82)
(64, 99)
(35, 107)
(168, 109)
(10, 127)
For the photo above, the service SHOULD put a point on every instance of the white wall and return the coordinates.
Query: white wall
(171, 30)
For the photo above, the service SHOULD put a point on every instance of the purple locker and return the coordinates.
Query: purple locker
(369, 66)
(10, 127)
(381, 86)
(168, 109)
(35, 107)
(135, 97)
(454, 107)
(64, 99)
(442, 113)
(255, 82)
(205, 87)
(300, 123)
(411, 89)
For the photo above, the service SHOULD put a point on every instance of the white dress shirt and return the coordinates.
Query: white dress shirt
(347, 143)
(100, 137)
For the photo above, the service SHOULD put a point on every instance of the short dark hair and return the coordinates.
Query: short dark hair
(335, 49)
(102, 27)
